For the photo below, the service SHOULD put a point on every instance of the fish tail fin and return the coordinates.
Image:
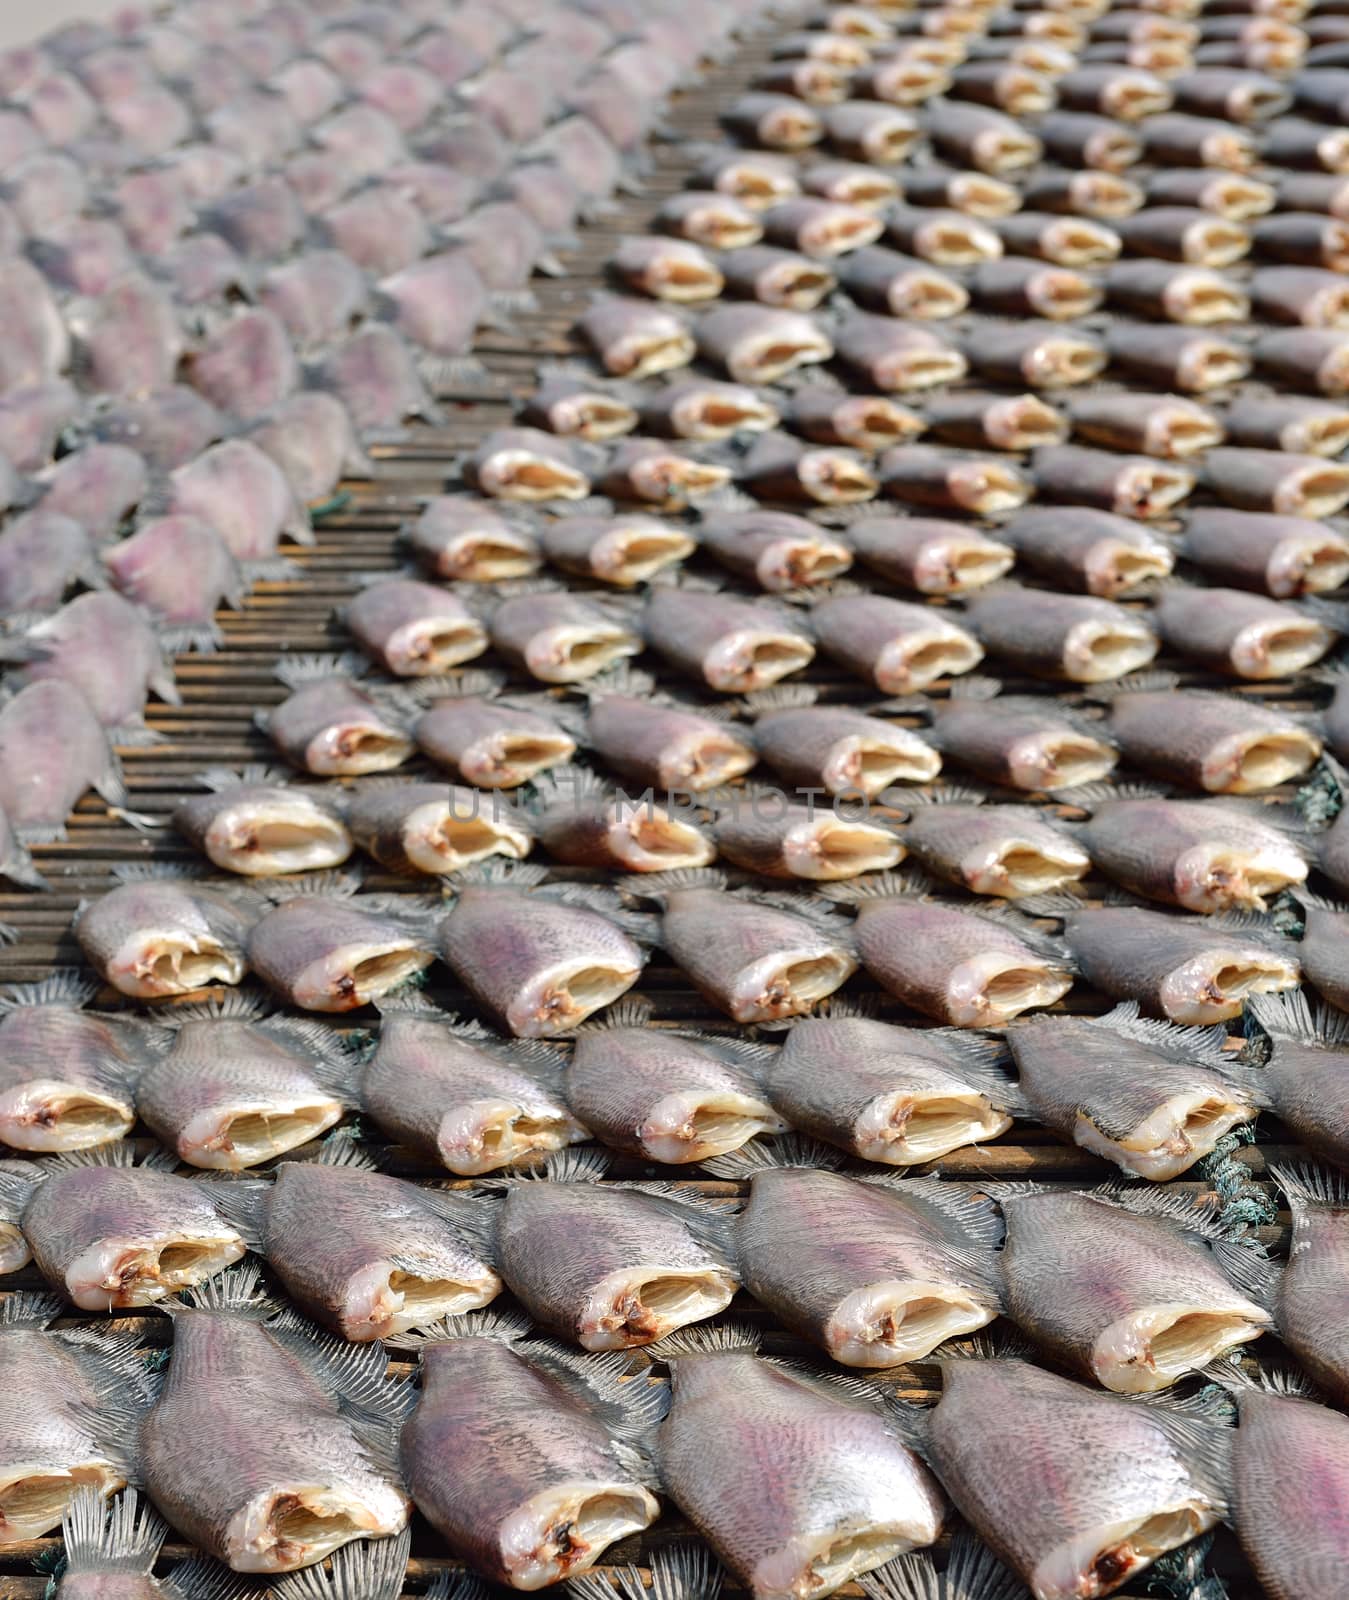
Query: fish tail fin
(759, 1155)
(243, 1204)
(685, 1570)
(29, 1310)
(506, 1327)
(201, 1578)
(369, 1569)
(464, 1586)
(698, 1339)
(103, 1536)
(237, 1290)
(973, 1573)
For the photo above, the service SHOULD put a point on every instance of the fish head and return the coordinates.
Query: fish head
(286, 1526)
(1152, 1347)
(994, 986)
(788, 982)
(1248, 763)
(1307, 563)
(1100, 648)
(274, 832)
(638, 1305)
(562, 994)
(355, 745)
(924, 1120)
(46, 1115)
(445, 835)
(562, 1531)
(117, 1272)
(885, 1323)
(632, 551)
(35, 1496)
(643, 837)
(922, 654)
(486, 1134)
(866, 763)
(1212, 986)
(488, 554)
(1114, 566)
(151, 962)
(797, 562)
(510, 756)
(1218, 875)
(1057, 758)
(356, 971)
(387, 1297)
(754, 657)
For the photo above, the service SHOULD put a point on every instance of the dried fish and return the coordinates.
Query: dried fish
(896, 356)
(975, 969)
(53, 748)
(1092, 551)
(1306, 1289)
(760, 344)
(1086, 193)
(254, 825)
(560, 637)
(1281, 555)
(1084, 139)
(946, 238)
(896, 646)
(179, 570)
(581, 821)
(244, 495)
(434, 828)
(733, 645)
(675, 270)
(799, 1483)
(634, 339)
(776, 277)
(1041, 354)
(1312, 297)
(471, 541)
(1227, 194)
(657, 741)
(328, 725)
(705, 409)
(323, 949)
(981, 137)
(1079, 638)
(1019, 287)
(97, 486)
(1305, 358)
(308, 1462)
(107, 1233)
(853, 182)
(1129, 1480)
(1300, 1051)
(1129, 486)
(756, 957)
(1167, 426)
(923, 475)
(772, 121)
(1149, 1096)
(570, 402)
(975, 193)
(1243, 634)
(612, 1267)
(492, 743)
(542, 957)
(866, 130)
(991, 421)
(1005, 850)
(42, 555)
(414, 629)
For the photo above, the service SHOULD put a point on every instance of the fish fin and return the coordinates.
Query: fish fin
(610, 1583)
(466, 1586)
(473, 1217)
(1088, 796)
(576, 1164)
(200, 1578)
(16, 1190)
(1250, 1269)
(1167, 1204)
(506, 1327)
(685, 1570)
(700, 1339)
(243, 1203)
(709, 1219)
(67, 986)
(655, 886)
(332, 885)
(950, 794)
(848, 1387)
(620, 679)
(631, 1011)
(102, 1536)
(114, 1363)
(973, 1573)
(237, 1290)
(564, 786)
(1172, 1040)
(1147, 682)
(1312, 1186)
(911, 884)
(295, 670)
(341, 1149)
(781, 697)
(334, 1063)
(1289, 1381)
(241, 1005)
(966, 1216)
(501, 874)
(135, 735)
(1290, 1014)
(369, 1569)
(762, 1155)
(1200, 1439)
(609, 1384)
(29, 1309)
(458, 686)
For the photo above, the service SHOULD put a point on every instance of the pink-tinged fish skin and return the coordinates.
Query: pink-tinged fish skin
(374, 372)
(247, 367)
(96, 486)
(31, 420)
(491, 744)
(462, 1097)
(105, 648)
(665, 745)
(1095, 1487)
(42, 554)
(1009, 851)
(610, 1268)
(316, 296)
(842, 752)
(1128, 1298)
(52, 749)
(167, 428)
(894, 645)
(131, 339)
(1245, 635)
(797, 1489)
(761, 831)
(864, 422)
(512, 1464)
(261, 829)
(1093, 551)
(70, 1413)
(624, 549)
(414, 629)
(561, 637)
(244, 495)
(634, 339)
(290, 1478)
(108, 1235)
(876, 1273)
(36, 345)
(1076, 637)
(325, 953)
(180, 570)
(311, 438)
(378, 228)
(542, 964)
(1222, 744)
(165, 936)
(470, 540)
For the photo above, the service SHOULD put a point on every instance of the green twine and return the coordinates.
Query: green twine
(325, 508)
(1320, 799)
(1180, 1574)
(1244, 1203)
(53, 1563)
(1287, 917)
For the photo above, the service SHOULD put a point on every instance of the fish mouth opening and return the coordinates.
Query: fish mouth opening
(1317, 492)
(524, 477)
(1060, 761)
(992, 988)
(1168, 1142)
(1279, 650)
(243, 1138)
(912, 81)
(913, 663)
(756, 661)
(291, 1528)
(1097, 651)
(1018, 869)
(501, 1136)
(953, 244)
(1116, 568)
(929, 298)
(1150, 491)
(1137, 1547)
(987, 487)
(437, 840)
(634, 557)
(636, 1308)
(774, 360)
(723, 233)
(108, 1277)
(903, 1129)
(1214, 988)
(835, 480)
(786, 130)
(1177, 433)
(1114, 151)
(567, 997)
(704, 761)
(564, 1531)
(954, 567)
(349, 751)
(598, 418)
(490, 561)
(1005, 151)
(792, 564)
(406, 1300)
(1197, 302)
(1149, 1352)
(839, 235)
(1239, 199)
(874, 424)
(643, 358)
(799, 288)
(516, 757)
(683, 1129)
(1023, 423)
(34, 1504)
(1131, 99)
(52, 1117)
(645, 840)
(1227, 878)
(789, 984)
(870, 765)
(756, 188)
(862, 190)
(1079, 244)
(887, 147)
(983, 196)
(842, 1557)
(1323, 436)
(570, 655)
(1264, 761)
(1027, 96)
(886, 1323)
(922, 369)
(425, 649)
(1063, 362)
(1061, 296)
(343, 984)
(168, 966)
(830, 848)
(1211, 366)
(1215, 243)
(279, 846)
(716, 416)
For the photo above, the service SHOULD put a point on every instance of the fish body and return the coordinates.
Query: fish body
(158, 936)
(1310, 1289)
(1214, 742)
(53, 748)
(415, 629)
(330, 727)
(327, 953)
(492, 744)
(997, 850)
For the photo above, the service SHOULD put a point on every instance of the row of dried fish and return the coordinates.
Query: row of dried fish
(724, 1409)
